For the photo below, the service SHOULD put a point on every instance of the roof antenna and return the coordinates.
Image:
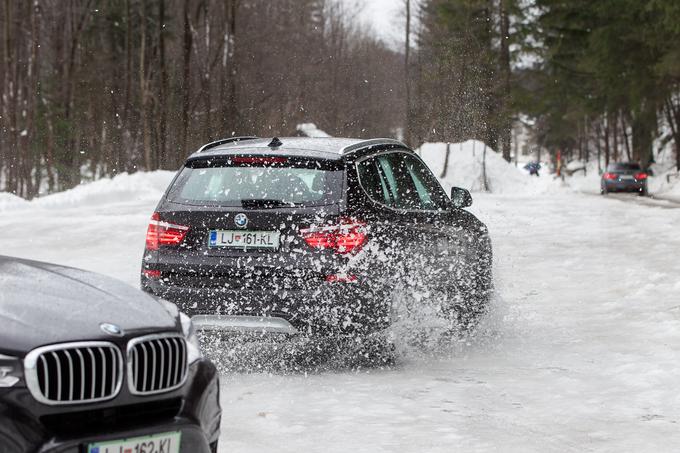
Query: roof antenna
(275, 143)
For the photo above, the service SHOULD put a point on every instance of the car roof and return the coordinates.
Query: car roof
(332, 148)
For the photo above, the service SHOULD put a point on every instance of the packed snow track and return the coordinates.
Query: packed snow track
(581, 351)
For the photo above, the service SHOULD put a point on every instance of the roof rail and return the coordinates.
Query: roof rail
(224, 141)
(375, 142)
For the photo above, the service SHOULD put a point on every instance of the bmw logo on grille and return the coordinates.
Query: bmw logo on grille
(111, 329)
(241, 220)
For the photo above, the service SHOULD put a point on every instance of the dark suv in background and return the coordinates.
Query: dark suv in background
(313, 235)
(624, 177)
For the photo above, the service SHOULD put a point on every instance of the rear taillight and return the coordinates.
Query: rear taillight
(163, 233)
(341, 278)
(610, 176)
(345, 237)
(151, 273)
(641, 176)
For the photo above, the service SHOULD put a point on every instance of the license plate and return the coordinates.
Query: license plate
(627, 177)
(244, 239)
(156, 443)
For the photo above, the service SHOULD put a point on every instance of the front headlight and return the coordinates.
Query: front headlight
(10, 371)
(193, 345)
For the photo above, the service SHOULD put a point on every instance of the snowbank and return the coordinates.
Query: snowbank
(666, 180)
(10, 201)
(119, 189)
(587, 181)
(465, 169)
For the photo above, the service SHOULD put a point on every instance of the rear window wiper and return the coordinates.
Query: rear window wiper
(267, 203)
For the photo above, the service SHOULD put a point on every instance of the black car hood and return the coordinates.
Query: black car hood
(43, 303)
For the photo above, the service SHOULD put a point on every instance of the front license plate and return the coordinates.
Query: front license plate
(157, 443)
(244, 239)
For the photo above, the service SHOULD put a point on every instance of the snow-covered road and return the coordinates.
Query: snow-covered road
(581, 352)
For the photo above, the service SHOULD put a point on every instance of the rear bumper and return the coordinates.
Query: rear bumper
(624, 186)
(327, 308)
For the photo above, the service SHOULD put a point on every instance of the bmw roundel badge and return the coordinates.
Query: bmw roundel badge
(241, 220)
(111, 329)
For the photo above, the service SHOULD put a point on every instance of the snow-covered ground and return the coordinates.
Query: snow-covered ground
(580, 353)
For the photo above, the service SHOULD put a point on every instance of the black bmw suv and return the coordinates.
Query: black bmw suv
(91, 365)
(314, 236)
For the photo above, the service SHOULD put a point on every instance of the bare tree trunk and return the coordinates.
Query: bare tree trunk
(128, 62)
(186, 78)
(626, 140)
(72, 161)
(606, 140)
(32, 101)
(9, 101)
(673, 117)
(615, 138)
(598, 143)
(162, 86)
(408, 138)
(229, 70)
(144, 89)
(205, 75)
(504, 98)
(485, 181)
(446, 161)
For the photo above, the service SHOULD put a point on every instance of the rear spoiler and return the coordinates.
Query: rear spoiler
(224, 141)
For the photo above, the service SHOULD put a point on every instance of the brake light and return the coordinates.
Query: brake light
(341, 278)
(258, 160)
(346, 237)
(163, 233)
(610, 176)
(151, 273)
(641, 176)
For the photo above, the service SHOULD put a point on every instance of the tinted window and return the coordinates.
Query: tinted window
(372, 182)
(401, 181)
(430, 192)
(234, 183)
(623, 167)
(398, 180)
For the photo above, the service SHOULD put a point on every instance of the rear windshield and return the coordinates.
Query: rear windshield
(259, 182)
(623, 167)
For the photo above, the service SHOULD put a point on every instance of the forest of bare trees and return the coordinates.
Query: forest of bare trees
(100, 87)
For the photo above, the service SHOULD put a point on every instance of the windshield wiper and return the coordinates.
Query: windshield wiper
(255, 203)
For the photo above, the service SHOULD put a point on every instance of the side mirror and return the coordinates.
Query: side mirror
(460, 198)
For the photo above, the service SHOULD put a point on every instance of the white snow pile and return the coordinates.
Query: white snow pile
(465, 169)
(121, 188)
(10, 201)
(587, 181)
(666, 179)
(310, 130)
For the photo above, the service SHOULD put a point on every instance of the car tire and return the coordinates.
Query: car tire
(472, 302)
(213, 447)
(374, 351)
(643, 192)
